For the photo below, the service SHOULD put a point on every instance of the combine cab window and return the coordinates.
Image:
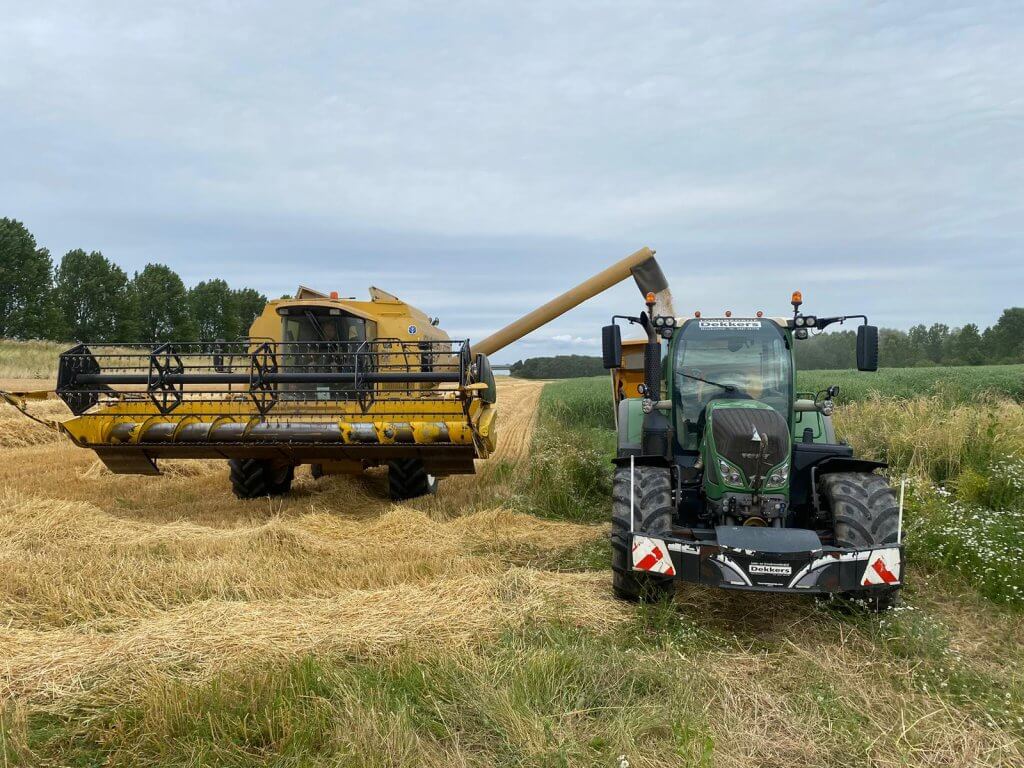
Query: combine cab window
(335, 339)
(750, 356)
(318, 325)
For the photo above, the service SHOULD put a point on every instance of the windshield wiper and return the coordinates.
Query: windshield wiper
(726, 387)
(316, 325)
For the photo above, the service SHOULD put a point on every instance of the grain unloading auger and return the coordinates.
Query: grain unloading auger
(338, 384)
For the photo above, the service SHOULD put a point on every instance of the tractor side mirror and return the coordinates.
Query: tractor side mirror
(867, 348)
(611, 346)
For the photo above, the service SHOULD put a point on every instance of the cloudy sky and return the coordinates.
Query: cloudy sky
(476, 158)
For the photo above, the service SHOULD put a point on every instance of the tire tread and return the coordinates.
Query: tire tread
(654, 511)
(865, 514)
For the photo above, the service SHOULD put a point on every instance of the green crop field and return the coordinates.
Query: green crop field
(957, 384)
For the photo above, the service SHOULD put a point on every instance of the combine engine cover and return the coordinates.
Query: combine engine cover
(293, 402)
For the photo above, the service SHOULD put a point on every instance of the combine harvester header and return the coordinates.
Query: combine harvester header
(339, 384)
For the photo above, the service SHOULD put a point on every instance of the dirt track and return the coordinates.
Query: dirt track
(518, 416)
(118, 580)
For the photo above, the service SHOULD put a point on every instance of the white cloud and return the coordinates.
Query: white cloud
(478, 158)
(568, 338)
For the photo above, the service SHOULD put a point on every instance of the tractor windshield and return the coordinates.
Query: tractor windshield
(728, 359)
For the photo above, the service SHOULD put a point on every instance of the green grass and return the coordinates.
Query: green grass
(955, 384)
(569, 477)
(552, 695)
(984, 545)
(671, 686)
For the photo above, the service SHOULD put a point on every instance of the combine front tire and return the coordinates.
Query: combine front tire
(865, 514)
(653, 510)
(408, 479)
(256, 478)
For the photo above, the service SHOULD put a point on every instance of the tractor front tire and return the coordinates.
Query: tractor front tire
(408, 479)
(652, 514)
(865, 514)
(256, 478)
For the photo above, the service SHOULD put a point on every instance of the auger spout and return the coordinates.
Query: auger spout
(641, 265)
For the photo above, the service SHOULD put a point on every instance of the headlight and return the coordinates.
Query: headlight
(659, 322)
(729, 473)
(779, 476)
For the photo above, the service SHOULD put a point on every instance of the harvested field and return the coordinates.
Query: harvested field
(162, 621)
(114, 581)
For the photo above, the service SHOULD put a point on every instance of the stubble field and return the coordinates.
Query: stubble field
(160, 621)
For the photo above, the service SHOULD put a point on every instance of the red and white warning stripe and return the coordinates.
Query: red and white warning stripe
(883, 568)
(652, 555)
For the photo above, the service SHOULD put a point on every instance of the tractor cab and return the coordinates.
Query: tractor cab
(726, 359)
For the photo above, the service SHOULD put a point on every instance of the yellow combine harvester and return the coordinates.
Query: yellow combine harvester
(339, 384)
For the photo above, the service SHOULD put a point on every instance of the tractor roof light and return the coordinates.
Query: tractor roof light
(728, 313)
(697, 313)
(799, 321)
(797, 299)
(810, 321)
(760, 313)
(651, 298)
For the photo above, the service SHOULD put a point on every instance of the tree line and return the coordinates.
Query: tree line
(921, 346)
(86, 297)
(560, 367)
(936, 344)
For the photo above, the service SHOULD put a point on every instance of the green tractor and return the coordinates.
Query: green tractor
(726, 476)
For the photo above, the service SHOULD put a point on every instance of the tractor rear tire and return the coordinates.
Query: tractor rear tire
(653, 512)
(257, 478)
(408, 479)
(865, 514)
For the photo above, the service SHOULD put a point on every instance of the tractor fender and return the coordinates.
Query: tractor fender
(846, 464)
(643, 435)
(641, 460)
(630, 425)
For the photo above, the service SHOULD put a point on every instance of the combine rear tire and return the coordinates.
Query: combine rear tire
(865, 514)
(653, 511)
(256, 478)
(408, 479)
